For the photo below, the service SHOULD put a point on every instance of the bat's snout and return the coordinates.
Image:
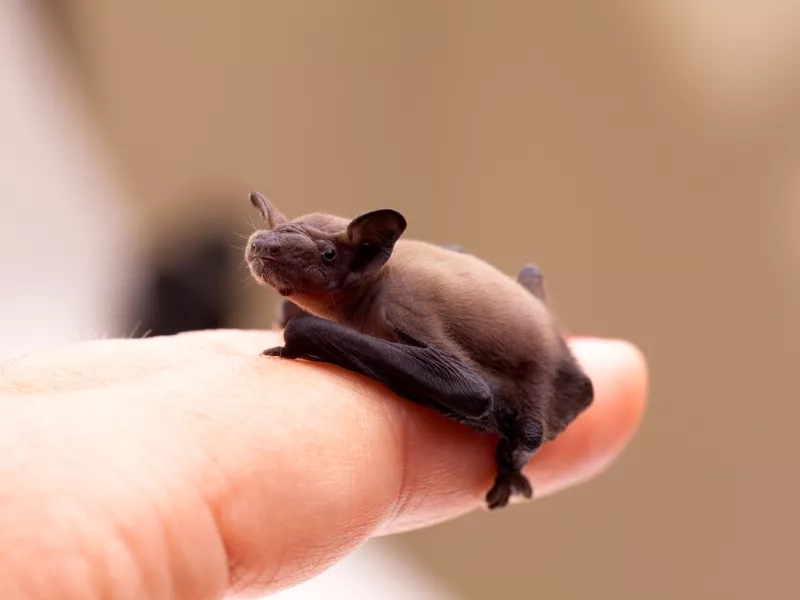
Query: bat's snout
(284, 260)
(263, 244)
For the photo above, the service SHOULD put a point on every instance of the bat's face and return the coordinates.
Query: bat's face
(321, 253)
(294, 259)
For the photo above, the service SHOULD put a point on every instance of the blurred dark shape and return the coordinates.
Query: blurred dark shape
(189, 288)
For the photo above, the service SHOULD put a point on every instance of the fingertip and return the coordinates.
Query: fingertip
(620, 368)
(587, 447)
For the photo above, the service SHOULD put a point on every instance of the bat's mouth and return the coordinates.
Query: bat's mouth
(263, 270)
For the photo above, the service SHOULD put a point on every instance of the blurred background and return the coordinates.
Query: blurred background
(646, 155)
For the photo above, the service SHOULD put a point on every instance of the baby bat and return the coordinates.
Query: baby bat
(436, 325)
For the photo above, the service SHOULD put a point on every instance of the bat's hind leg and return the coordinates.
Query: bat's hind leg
(513, 453)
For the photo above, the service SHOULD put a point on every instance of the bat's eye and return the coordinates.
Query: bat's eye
(329, 254)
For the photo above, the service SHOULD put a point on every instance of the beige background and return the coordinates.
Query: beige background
(647, 159)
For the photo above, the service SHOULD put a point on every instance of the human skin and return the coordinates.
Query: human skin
(190, 467)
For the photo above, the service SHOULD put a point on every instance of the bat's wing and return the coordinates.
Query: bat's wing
(530, 277)
(422, 374)
(287, 310)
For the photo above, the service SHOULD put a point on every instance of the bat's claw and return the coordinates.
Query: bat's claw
(279, 351)
(504, 486)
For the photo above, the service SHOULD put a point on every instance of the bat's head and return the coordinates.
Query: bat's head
(318, 252)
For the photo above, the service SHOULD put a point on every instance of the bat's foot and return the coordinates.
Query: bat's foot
(506, 485)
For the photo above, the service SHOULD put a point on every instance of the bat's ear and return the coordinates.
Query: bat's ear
(377, 228)
(268, 212)
(373, 235)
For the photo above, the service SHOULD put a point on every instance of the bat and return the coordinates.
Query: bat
(435, 325)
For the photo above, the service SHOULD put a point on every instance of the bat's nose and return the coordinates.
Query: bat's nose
(265, 244)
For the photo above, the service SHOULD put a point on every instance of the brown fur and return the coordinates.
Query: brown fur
(412, 292)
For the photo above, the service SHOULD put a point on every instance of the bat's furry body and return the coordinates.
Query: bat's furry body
(436, 325)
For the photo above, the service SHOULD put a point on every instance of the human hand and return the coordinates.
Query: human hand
(190, 467)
